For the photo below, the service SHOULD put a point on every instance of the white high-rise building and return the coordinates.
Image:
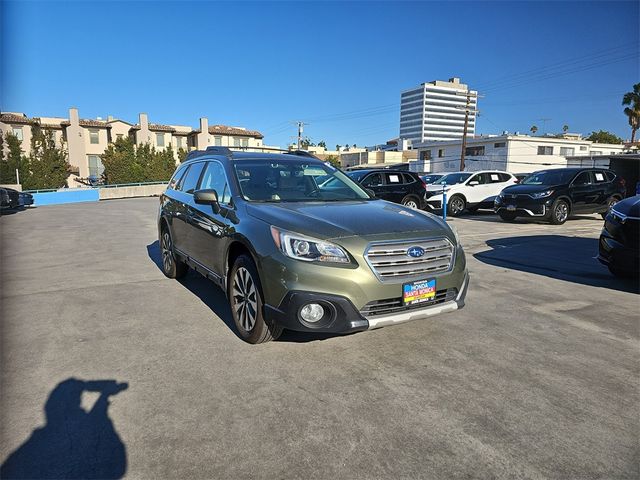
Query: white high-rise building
(436, 110)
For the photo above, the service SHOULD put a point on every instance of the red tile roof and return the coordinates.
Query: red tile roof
(156, 127)
(88, 122)
(14, 118)
(238, 132)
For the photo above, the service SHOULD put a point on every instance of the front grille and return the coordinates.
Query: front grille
(391, 261)
(390, 306)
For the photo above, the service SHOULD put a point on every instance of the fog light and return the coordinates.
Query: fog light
(312, 312)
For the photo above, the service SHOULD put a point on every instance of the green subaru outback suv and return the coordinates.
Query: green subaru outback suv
(296, 244)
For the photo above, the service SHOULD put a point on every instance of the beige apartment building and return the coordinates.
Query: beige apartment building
(87, 139)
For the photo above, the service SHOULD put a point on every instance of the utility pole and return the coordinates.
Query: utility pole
(300, 131)
(467, 110)
(544, 124)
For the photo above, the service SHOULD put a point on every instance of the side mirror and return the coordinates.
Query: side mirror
(207, 197)
(473, 183)
(371, 193)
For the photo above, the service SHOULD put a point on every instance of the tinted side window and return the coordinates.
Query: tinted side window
(408, 178)
(177, 177)
(394, 178)
(600, 177)
(214, 178)
(610, 176)
(583, 178)
(494, 177)
(504, 177)
(481, 178)
(190, 180)
(373, 180)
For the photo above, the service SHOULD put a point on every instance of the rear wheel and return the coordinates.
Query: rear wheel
(246, 301)
(456, 205)
(559, 212)
(172, 266)
(411, 201)
(507, 216)
(610, 203)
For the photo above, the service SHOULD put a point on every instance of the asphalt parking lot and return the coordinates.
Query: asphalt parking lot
(538, 377)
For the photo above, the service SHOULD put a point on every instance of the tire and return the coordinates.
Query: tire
(246, 302)
(172, 266)
(411, 201)
(559, 212)
(610, 203)
(622, 273)
(456, 205)
(507, 216)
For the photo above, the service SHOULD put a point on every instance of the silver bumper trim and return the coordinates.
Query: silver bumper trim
(407, 316)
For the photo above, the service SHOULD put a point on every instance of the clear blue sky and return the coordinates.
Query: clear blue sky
(262, 65)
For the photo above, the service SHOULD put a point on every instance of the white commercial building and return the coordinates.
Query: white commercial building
(436, 111)
(513, 153)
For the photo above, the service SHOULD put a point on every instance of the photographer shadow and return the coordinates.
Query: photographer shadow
(74, 443)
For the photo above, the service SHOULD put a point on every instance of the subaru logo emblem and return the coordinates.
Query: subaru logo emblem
(415, 252)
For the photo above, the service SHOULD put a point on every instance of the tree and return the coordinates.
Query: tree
(565, 128)
(346, 147)
(333, 160)
(14, 160)
(338, 147)
(182, 154)
(602, 136)
(322, 144)
(633, 110)
(47, 164)
(533, 129)
(125, 162)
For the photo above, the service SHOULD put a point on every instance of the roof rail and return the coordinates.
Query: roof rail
(302, 153)
(220, 150)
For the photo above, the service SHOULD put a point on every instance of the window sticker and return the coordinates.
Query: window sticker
(494, 176)
(394, 178)
(315, 172)
(599, 177)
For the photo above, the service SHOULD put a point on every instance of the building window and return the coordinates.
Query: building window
(236, 142)
(567, 151)
(95, 165)
(474, 151)
(94, 137)
(613, 153)
(178, 142)
(160, 139)
(244, 142)
(583, 148)
(118, 136)
(545, 150)
(425, 155)
(596, 152)
(217, 141)
(499, 144)
(17, 131)
(440, 152)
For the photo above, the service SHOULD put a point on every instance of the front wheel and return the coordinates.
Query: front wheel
(456, 205)
(411, 202)
(559, 212)
(610, 203)
(246, 301)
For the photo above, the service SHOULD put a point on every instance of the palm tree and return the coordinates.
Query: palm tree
(533, 129)
(633, 111)
(565, 128)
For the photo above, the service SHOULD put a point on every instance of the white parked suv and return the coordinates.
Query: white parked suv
(468, 190)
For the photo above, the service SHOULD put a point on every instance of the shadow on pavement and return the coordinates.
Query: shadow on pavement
(490, 216)
(74, 443)
(556, 256)
(214, 298)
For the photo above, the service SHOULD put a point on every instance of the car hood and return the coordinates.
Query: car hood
(431, 187)
(629, 207)
(366, 218)
(524, 189)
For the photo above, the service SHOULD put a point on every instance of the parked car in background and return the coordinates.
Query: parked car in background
(468, 190)
(619, 246)
(12, 199)
(405, 188)
(555, 194)
(297, 250)
(5, 201)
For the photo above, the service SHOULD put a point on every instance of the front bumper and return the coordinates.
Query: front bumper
(434, 201)
(343, 317)
(529, 206)
(613, 251)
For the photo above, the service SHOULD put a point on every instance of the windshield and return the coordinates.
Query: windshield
(550, 177)
(430, 178)
(453, 178)
(295, 181)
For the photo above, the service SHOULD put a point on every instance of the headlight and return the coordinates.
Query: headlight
(541, 194)
(307, 249)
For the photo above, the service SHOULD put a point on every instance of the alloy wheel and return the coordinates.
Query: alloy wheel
(411, 204)
(167, 253)
(245, 299)
(562, 212)
(456, 206)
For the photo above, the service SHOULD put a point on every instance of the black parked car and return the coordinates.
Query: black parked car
(555, 194)
(432, 177)
(620, 238)
(12, 199)
(406, 188)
